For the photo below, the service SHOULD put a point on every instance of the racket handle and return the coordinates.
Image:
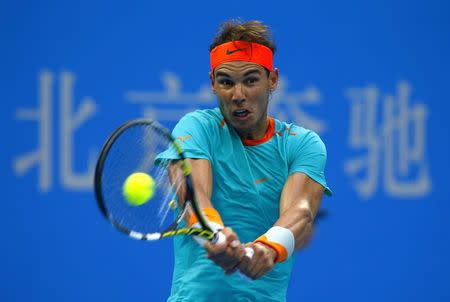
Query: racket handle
(220, 238)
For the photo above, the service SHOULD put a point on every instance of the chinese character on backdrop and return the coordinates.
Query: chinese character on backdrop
(69, 122)
(391, 133)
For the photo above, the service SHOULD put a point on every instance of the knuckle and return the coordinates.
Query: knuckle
(259, 250)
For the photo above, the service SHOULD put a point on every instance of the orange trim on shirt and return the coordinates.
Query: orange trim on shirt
(267, 136)
(182, 139)
(281, 251)
(222, 123)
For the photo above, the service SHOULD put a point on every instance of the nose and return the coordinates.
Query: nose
(238, 96)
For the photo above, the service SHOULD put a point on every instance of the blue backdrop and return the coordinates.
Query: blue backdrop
(371, 78)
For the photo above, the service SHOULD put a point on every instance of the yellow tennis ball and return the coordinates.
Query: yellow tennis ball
(138, 188)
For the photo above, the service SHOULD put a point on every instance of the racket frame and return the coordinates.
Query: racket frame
(204, 232)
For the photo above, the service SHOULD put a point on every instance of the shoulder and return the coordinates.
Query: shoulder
(298, 137)
(206, 118)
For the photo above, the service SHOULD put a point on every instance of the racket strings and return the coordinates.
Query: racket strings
(135, 150)
(170, 189)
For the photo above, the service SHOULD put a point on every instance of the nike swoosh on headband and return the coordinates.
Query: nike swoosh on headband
(230, 52)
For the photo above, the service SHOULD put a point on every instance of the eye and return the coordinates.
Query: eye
(251, 80)
(225, 82)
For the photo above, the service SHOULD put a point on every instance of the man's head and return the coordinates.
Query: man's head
(251, 31)
(242, 74)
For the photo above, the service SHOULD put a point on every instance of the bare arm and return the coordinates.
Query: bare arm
(202, 181)
(299, 204)
(227, 254)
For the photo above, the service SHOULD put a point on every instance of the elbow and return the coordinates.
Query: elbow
(306, 222)
(304, 213)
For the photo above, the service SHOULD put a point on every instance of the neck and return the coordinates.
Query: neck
(257, 133)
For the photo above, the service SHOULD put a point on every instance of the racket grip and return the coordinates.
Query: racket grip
(220, 238)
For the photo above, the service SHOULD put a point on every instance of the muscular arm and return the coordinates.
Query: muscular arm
(227, 254)
(201, 177)
(299, 204)
(202, 181)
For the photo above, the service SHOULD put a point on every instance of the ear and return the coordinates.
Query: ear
(273, 79)
(211, 78)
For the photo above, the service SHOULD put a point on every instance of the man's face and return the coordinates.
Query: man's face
(242, 89)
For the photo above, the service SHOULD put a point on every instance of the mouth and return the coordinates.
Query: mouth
(241, 113)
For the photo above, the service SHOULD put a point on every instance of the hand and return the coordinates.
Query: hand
(261, 263)
(227, 254)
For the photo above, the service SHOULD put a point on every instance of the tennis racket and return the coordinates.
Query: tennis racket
(146, 146)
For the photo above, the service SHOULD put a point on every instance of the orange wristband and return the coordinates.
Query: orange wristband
(279, 249)
(210, 214)
(281, 240)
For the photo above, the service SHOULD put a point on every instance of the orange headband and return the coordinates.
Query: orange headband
(241, 51)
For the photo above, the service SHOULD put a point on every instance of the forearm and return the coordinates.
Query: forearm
(201, 181)
(299, 219)
(299, 203)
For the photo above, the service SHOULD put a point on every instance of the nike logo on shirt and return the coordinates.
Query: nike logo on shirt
(182, 139)
(258, 181)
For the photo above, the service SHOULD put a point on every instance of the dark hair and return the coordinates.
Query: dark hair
(251, 31)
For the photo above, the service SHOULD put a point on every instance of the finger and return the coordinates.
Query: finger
(243, 265)
(228, 252)
(227, 259)
(236, 250)
(251, 267)
(233, 254)
(268, 267)
(234, 247)
(265, 263)
(229, 249)
(232, 269)
(230, 235)
(226, 264)
(215, 248)
(260, 270)
(223, 239)
(257, 263)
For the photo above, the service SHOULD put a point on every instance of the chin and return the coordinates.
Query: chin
(242, 127)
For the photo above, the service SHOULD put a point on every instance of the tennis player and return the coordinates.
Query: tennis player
(258, 179)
